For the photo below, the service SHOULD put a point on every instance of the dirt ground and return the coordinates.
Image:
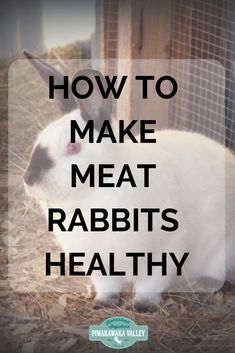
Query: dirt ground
(37, 319)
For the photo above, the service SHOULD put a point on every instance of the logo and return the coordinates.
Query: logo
(118, 332)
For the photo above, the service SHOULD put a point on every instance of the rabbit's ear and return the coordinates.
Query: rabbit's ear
(45, 70)
(94, 107)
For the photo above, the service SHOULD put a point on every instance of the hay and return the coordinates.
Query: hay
(45, 320)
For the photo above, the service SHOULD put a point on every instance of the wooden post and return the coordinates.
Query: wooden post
(151, 39)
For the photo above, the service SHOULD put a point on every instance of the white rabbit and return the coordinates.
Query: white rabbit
(190, 177)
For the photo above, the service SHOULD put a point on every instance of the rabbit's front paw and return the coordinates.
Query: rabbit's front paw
(110, 300)
(147, 304)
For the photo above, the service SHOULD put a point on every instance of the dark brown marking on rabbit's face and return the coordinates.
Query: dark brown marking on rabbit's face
(40, 162)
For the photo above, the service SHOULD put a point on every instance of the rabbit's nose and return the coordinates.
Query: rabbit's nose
(30, 177)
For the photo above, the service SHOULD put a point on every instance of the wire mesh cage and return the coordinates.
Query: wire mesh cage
(180, 29)
(206, 30)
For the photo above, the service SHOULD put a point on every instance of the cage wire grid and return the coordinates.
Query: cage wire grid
(200, 29)
(205, 29)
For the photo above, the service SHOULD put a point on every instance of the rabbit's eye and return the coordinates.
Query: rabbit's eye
(73, 148)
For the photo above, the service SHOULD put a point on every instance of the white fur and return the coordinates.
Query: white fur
(189, 177)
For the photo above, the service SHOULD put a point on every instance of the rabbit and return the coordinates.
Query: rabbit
(189, 177)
